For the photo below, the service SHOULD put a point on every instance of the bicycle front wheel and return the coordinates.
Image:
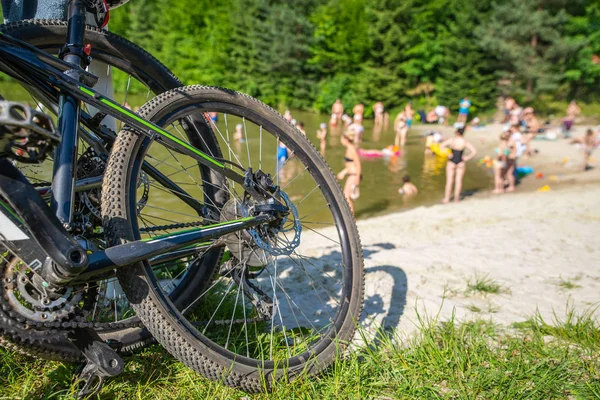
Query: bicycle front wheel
(280, 304)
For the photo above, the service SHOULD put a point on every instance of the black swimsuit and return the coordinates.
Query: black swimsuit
(348, 159)
(457, 156)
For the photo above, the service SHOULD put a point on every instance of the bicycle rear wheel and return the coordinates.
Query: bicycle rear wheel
(282, 303)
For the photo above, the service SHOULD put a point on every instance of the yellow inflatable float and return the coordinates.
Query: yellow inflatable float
(436, 149)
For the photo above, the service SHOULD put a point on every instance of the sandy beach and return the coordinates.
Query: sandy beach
(538, 249)
(541, 248)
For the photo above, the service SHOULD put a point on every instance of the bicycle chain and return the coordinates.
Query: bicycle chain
(73, 324)
(172, 226)
(136, 323)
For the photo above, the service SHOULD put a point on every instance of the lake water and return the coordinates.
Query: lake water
(382, 177)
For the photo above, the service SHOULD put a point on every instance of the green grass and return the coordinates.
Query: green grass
(488, 308)
(476, 360)
(484, 284)
(568, 284)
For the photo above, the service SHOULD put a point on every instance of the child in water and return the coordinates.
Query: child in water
(408, 188)
(239, 134)
(300, 127)
(322, 135)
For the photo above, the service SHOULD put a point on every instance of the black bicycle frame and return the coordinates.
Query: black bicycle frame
(66, 82)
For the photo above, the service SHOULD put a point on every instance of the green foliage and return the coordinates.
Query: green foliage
(307, 53)
(526, 38)
(472, 360)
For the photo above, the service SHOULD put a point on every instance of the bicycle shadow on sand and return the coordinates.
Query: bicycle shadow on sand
(384, 297)
(386, 289)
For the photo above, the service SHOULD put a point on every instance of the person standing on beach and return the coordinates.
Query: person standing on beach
(500, 163)
(573, 111)
(509, 103)
(533, 128)
(463, 110)
(456, 165)
(589, 142)
(353, 169)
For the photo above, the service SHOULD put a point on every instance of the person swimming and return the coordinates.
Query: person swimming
(573, 111)
(456, 165)
(408, 188)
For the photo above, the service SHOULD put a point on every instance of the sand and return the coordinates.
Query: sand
(541, 249)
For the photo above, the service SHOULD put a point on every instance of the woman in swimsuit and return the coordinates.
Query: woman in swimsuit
(401, 128)
(456, 165)
(353, 169)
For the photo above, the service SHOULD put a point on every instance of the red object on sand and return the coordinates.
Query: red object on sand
(539, 175)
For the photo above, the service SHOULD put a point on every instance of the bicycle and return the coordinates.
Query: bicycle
(137, 66)
(276, 305)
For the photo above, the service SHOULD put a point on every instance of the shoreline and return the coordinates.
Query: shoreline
(538, 253)
(557, 174)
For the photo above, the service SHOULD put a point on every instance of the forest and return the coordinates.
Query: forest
(306, 53)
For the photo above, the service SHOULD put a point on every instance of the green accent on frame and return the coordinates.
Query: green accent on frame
(197, 229)
(149, 125)
(7, 208)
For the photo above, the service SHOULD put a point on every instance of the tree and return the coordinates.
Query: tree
(582, 74)
(526, 38)
(466, 69)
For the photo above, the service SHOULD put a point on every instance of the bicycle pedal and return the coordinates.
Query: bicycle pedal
(102, 361)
